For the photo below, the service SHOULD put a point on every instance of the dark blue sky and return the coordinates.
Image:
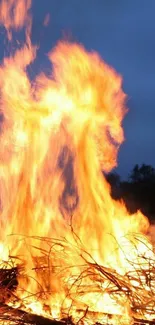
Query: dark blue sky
(123, 32)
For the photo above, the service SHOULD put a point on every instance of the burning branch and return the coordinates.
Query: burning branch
(136, 287)
(11, 316)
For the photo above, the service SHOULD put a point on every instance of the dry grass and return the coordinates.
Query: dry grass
(135, 288)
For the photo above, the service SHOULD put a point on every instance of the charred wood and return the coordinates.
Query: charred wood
(18, 317)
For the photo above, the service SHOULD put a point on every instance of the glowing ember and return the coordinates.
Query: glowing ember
(81, 252)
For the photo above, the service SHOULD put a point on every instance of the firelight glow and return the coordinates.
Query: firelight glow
(71, 118)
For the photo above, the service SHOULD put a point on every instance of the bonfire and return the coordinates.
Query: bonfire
(69, 253)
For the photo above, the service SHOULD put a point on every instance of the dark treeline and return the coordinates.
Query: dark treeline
(138, 192)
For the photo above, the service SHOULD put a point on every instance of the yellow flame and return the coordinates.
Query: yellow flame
(58, 134)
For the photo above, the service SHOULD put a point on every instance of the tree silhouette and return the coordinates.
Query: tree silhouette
(138, 192)
(142, 173)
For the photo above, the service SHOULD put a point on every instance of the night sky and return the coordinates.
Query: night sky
(123, 32)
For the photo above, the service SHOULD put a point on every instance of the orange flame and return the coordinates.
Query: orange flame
(58, 134)
(46, 20)
(14, 14)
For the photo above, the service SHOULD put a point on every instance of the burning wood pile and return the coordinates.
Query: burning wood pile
(69, 253)
(88, 281)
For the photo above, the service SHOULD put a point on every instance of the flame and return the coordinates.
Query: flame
(59, 133)
(46, 20)
(14, 15)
